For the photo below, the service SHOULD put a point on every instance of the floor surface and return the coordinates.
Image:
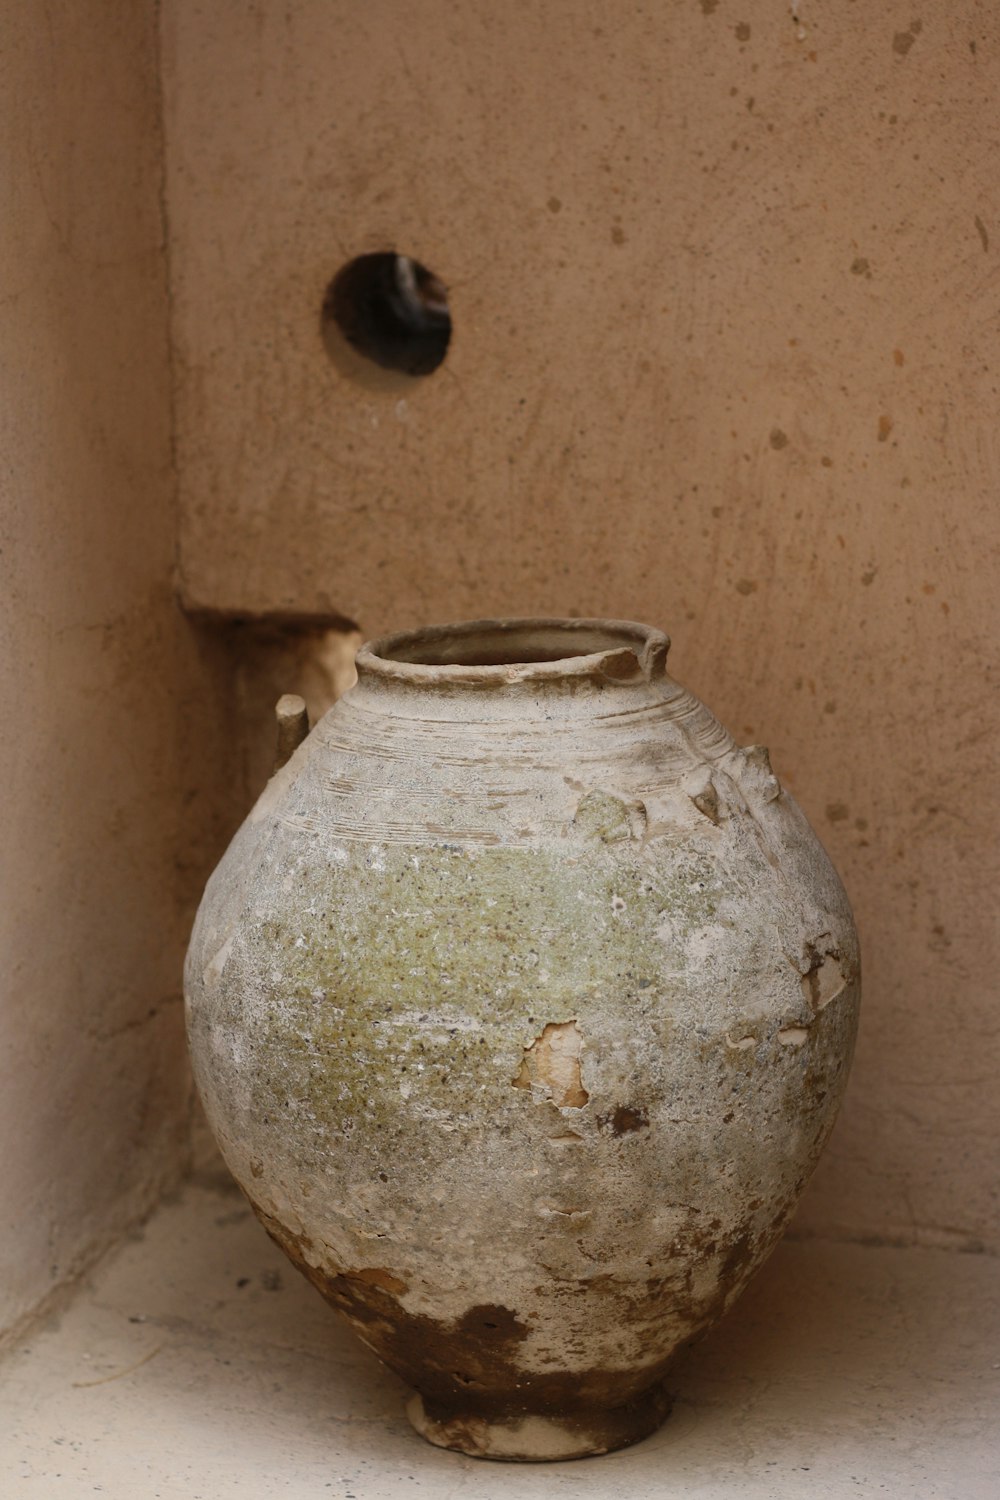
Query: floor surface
(196, 1363)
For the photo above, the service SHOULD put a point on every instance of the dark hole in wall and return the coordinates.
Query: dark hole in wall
(390, 309)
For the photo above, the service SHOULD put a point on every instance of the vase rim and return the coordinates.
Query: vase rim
(531, 649)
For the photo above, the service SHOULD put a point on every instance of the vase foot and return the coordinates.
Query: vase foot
(534, 1438)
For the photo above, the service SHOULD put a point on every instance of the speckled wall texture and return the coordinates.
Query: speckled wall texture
(110, 753)
(725, 291)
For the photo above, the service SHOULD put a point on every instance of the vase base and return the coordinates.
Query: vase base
(532, 1438)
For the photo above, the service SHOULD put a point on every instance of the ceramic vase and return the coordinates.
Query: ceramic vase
(521, 1007)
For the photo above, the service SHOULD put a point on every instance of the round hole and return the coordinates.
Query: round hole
(392, 310)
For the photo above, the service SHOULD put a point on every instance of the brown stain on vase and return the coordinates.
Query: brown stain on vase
(625, 1119)
(469, 1363)
(375, 1276)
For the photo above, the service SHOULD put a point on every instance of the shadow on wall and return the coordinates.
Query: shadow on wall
(311, 656)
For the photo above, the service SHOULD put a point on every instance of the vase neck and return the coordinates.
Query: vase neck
(505, 653)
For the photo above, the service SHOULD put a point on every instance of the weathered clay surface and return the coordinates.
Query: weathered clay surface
(521, 1006)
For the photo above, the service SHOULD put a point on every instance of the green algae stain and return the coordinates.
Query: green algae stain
(405, 984)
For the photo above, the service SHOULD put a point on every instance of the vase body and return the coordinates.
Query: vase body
(521, 1007)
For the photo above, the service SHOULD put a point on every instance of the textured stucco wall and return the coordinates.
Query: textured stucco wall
(107, 724)
(725, 286)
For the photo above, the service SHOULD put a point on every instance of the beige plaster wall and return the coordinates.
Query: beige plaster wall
(725, 286)
(108, 732)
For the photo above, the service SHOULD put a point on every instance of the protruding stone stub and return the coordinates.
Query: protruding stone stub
(654, 655)
(759, 756)
(702, 790)
(603, 816)
(293, 725)
(767, 784)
